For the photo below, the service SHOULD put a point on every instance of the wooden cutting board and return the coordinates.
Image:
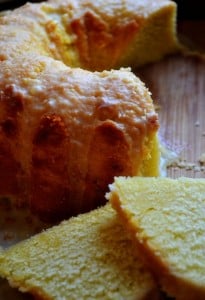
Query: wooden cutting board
(178, 89)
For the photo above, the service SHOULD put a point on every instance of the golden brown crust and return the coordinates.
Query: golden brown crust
(92, 34)
(66, 132)
(69, 133)
(49, 169)
(96, 41)
(110, 154)
(9, 136)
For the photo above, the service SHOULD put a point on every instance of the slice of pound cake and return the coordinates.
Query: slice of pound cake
(87, 257)
(167, 218)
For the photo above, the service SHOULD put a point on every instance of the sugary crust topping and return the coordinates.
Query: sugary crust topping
(68, 131)
(88, 34)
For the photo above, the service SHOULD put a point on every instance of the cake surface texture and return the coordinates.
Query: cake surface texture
(167, 220)
(94, 35)
(87, 257)
(65, 131)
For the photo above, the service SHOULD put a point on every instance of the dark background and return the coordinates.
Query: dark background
(191, 9)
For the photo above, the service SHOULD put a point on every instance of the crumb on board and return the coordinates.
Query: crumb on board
(202, 159)
(157, 107)
(189, 166)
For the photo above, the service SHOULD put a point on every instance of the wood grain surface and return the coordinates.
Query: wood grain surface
(178, 88)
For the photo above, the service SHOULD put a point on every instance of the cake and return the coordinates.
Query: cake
(87, 257)
(66, 131)
(94, 35)
(166, 218)
(65, 135)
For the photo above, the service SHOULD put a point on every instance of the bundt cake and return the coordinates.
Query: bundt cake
(94, 35)
(65, 132)
(167, 220)
(87, 257)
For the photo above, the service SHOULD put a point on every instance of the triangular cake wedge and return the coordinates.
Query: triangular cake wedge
(167, 220)
(88, 257)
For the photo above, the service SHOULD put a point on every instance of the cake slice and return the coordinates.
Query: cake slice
(88, 257)
(167, 219)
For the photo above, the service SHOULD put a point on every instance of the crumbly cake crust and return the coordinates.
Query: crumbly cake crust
(65, 132)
